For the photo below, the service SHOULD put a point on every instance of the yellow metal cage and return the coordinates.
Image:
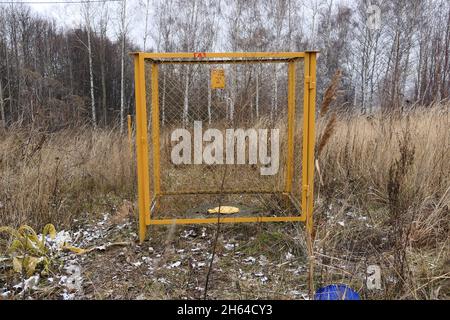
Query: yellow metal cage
(149, 156)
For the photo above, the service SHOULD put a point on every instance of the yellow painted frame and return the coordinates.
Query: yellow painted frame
(309, 101)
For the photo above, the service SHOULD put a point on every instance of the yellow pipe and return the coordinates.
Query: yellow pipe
(155, 130)
(306, 107)
(226, 220)
(206, 55)
(141, 201)
(311, 138)
(141, 147)
(291, 127)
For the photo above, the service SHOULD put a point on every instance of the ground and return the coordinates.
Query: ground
(249, 264)
(252, 261)
(382, 197)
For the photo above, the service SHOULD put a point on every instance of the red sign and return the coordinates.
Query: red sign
(199, 54)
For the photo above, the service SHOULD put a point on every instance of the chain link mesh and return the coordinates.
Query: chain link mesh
(255, 97)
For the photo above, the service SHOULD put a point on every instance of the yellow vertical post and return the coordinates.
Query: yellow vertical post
(130, 134)
(309, 114)
(142, 146)
(155, 130)
(291, 126)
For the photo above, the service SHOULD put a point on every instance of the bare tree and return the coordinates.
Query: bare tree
(147, 15)
(123, 32)
(2, 107)
(103, 26)
(87, 16)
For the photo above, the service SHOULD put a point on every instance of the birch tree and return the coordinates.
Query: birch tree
(123, 32)
(103, 26)
(87, 16)
(2, 107)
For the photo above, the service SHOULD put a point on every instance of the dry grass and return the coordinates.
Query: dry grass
(58, 176)
(385, 178)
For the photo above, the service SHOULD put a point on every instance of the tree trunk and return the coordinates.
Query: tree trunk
(122, 68)
(103, 76)
(91, 77)
(146, 24)
(2, 108)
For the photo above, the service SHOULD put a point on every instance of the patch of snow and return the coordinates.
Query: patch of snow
(28, 284)
(289, 256)
(261, 277)
(301, 294)
(249, 260)
(133, 234)
(174, 265)
(199, 265)
(141, 297)
(297, 271)
(163, 280)
(68, 296)
(62, 237)
(188, 233)
(351, 214)
(263, 260)
(230, 246)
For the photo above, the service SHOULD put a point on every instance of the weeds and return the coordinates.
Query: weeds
(384, 194)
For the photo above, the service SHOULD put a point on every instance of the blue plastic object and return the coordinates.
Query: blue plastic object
(336, 292)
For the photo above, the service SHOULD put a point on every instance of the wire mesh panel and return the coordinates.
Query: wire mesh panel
(251, 101)
(225, 130)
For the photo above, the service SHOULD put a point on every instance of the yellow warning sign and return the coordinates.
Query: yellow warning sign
(217, 78)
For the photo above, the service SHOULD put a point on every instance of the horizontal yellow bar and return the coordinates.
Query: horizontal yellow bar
(206, 55)
(224, 61)
(214, 192)
(226, 220)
